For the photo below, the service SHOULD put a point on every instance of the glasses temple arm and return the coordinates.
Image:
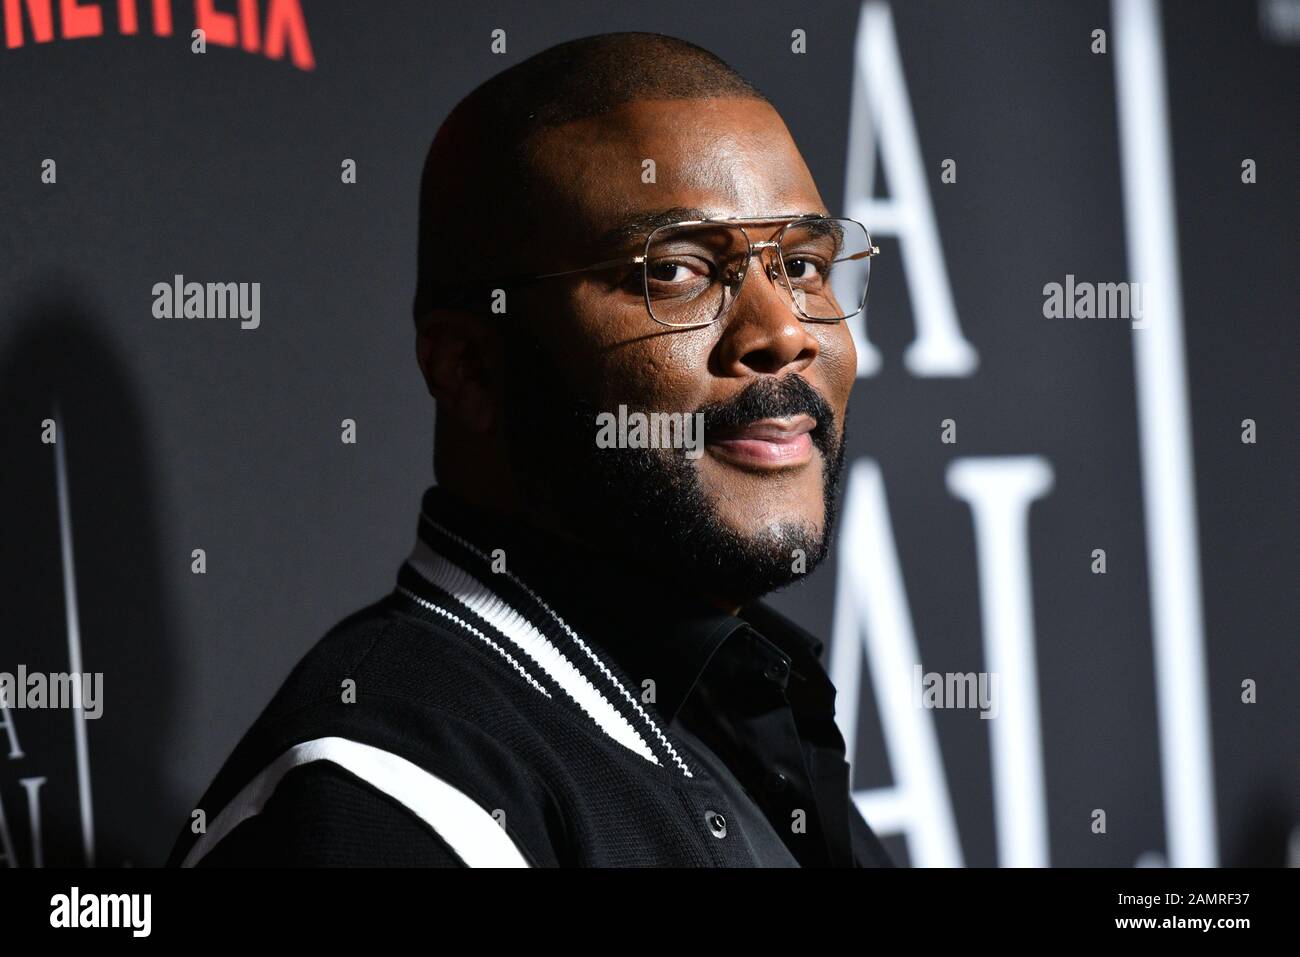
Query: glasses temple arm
(607, 264)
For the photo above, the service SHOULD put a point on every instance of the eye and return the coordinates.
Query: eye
(668, 272)
(802, 269)
(686, 270)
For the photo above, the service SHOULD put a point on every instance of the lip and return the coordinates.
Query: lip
(766, 444)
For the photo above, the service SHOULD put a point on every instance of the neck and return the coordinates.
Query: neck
(544, 534)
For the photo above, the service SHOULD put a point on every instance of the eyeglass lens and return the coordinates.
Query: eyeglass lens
(694, 272)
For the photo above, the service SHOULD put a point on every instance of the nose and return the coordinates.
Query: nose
(762, 334)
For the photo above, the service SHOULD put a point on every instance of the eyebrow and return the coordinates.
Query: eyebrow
(641, 224)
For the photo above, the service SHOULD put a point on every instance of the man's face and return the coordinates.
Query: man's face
(773, 388)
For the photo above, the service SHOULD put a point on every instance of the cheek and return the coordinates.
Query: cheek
(848, 349)
(666, 373)
(837, 364)
(628, 358)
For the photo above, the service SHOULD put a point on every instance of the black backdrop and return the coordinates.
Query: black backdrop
(186, 434)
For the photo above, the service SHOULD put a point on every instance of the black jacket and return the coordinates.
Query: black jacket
(516, 703)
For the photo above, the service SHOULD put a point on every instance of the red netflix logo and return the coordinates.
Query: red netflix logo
(283, 28)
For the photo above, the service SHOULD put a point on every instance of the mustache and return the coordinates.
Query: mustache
(771, 398)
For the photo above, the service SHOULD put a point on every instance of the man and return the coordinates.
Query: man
(573, 668)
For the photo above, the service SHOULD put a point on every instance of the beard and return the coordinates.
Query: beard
(647, 507)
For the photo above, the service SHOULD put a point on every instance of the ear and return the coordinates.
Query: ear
(461, 358)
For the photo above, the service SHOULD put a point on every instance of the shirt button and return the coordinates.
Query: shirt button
(717, 823)
(775, 781)
(776, 672)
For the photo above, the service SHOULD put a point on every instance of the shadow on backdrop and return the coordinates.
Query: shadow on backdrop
(58, 355)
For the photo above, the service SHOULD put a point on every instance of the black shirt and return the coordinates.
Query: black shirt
(750, 686)
(519, 674)
(748, 821)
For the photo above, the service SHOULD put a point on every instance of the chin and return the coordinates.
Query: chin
(760, 560)
(775, 528)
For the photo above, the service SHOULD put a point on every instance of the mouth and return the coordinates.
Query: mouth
(767, 444)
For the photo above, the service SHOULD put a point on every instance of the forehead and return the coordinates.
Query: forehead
(724, 156)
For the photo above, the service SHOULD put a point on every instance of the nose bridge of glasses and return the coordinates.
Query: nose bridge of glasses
(768, 253)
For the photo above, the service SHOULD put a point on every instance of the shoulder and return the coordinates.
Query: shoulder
(320, 815)
(390, 717)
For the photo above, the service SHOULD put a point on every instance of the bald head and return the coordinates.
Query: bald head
(479, 202)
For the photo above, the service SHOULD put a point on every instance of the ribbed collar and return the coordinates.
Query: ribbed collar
(649, 630)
